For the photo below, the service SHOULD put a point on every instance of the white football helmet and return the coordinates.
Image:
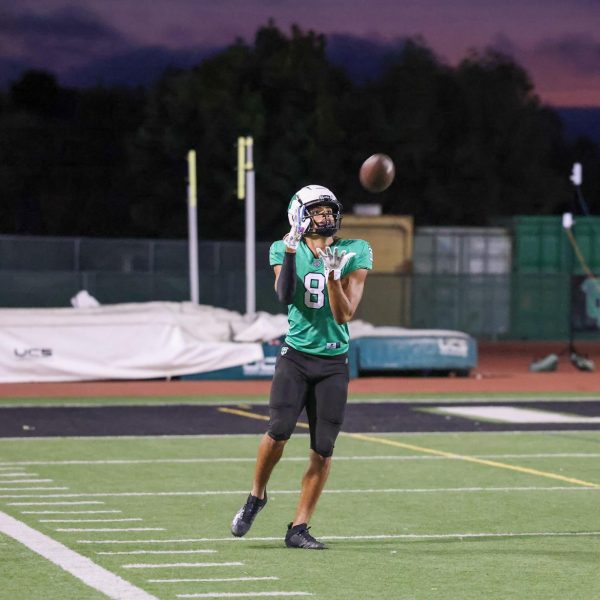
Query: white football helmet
(309, 197)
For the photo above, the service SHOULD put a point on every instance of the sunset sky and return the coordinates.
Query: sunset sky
(557, 41)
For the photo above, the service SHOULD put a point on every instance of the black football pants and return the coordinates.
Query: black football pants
(317, 383)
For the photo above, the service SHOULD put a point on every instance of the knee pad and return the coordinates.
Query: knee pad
(278, 437)
(323, 437)
(323, 448)
(281, 425)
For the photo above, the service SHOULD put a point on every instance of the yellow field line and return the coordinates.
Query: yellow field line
(243, 413)
(251, 415)
(473, 459)
(425, 450)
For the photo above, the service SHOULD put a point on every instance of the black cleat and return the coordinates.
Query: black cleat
(298, 537)
(245, 516)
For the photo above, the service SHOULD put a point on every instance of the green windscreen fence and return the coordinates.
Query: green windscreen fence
(546, 301)
(542, 246)
(531, 301)
(48, 272)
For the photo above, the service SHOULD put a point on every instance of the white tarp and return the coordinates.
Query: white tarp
(143, 340)
(121, 341)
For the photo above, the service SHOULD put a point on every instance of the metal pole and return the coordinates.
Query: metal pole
(193, 227)
(250, 231)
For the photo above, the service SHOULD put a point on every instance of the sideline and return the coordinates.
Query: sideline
(70, 561)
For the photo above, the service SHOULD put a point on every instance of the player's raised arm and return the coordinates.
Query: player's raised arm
(345, 295)
(285, 278)
(285, 274)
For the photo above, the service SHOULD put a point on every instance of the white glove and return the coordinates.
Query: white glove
(300, 223)
(334, 260)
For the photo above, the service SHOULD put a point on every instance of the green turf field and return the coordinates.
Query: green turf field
(401, 523)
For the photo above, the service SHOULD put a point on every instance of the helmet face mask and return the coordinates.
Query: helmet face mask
(325, 218)
(325, 222)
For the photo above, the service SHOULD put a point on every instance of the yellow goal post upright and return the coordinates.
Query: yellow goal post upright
(192, 202)
(246, 191)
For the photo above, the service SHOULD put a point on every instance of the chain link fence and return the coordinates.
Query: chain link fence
(469, 286)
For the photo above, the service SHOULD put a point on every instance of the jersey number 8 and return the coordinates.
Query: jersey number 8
(314, 284)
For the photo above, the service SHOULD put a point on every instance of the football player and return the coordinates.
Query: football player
(321, 278)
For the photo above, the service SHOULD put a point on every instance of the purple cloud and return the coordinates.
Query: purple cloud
(139, 66)
(70, 22)
(578, 52)
(58, 40)
(363, 58)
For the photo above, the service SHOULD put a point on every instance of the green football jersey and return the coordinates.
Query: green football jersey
(312, 326)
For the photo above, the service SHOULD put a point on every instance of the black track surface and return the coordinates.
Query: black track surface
(187, 419)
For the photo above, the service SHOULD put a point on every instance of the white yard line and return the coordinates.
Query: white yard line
(146, 461)
(68, 512)
(512, 414)
(142, 494)
(31, 489)
(106, 529)
(384, 536)
(66, 503)
(242, 594)
(456, 490)
(91, 438)
(541, 455)
(125, 552)
(171, 541)
(256, 436)
(17, 475)
(70, 561)
(326, 491)
(4, 482)
(90, 520)
(212, 580)
(240, 459)
(181, 565)
(443, 536)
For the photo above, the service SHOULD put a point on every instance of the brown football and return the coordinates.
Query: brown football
(377, 173)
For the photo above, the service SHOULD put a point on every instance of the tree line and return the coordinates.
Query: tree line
(472, 144)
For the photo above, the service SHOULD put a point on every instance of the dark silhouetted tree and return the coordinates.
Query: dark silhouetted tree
(472, 144)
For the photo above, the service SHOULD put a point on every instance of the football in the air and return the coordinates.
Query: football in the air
(377, 173)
